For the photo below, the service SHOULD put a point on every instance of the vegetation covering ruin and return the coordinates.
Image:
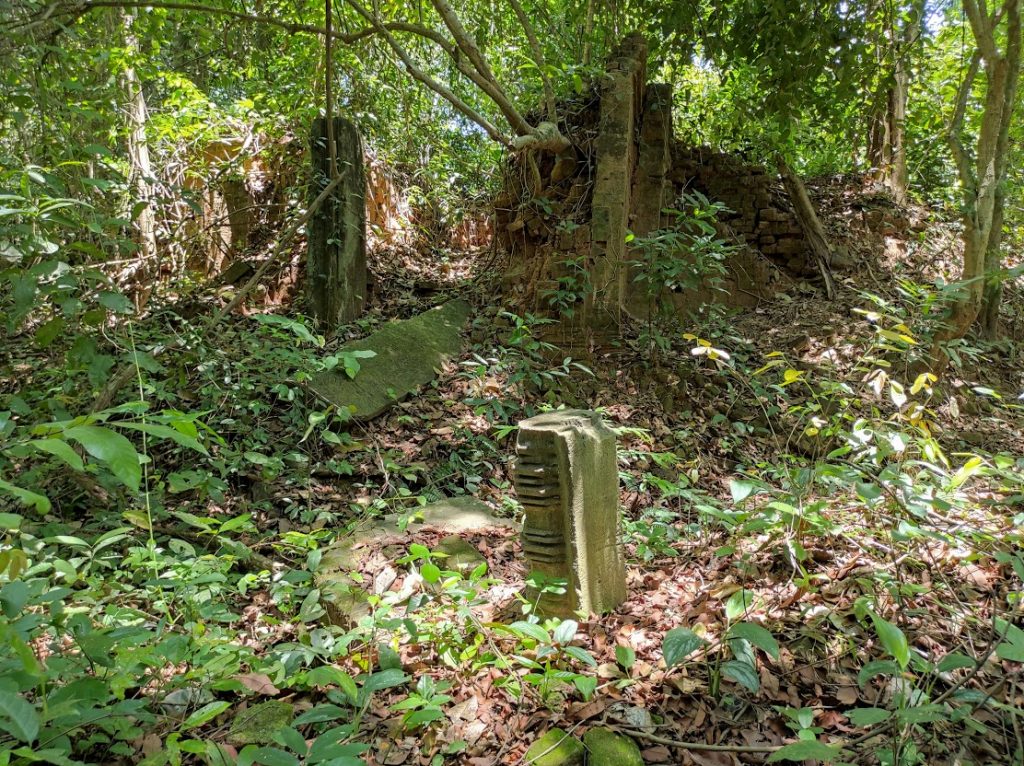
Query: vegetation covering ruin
(511, 382)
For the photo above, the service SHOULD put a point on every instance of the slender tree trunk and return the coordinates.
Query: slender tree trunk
(982, 175)
(813, 231)
(138, 146)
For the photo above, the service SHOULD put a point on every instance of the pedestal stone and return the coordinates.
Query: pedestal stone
(567, 481)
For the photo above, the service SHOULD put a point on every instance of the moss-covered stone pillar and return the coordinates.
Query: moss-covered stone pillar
(336, 261)
(567, 481)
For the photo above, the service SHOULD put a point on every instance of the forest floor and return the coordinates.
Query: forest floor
(780, 467)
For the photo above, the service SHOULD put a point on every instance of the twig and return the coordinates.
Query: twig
(702, 745)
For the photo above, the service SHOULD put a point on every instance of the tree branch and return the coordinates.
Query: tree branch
(963, 163)
(538, 59)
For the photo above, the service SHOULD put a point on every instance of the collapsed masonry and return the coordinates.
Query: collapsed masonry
(565, 217)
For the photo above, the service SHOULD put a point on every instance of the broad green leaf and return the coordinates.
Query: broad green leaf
(205, 714)
(385, 679)
(420, 717)
(758, 636)
(22, 719)
(877, 668)
(679, 643)
(532, 630)
(742, 673)
(804, 750)
(273, 756)
(585, 685)
(322, 713)
(867, 716)
(625, 656)
(955, 661)
(39, 502)
(165, 432)
(430, 572)
(113, 449)
(566, 631)
(892, 639)
(59, 448)
(741, 489)
(739, 603)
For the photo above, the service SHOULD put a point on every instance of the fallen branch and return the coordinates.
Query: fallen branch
(636, 733)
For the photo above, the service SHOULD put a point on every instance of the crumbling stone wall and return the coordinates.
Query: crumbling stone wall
(570, 235)
(759, 211)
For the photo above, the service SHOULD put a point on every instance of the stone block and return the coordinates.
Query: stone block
(567, 481)
(407, 355)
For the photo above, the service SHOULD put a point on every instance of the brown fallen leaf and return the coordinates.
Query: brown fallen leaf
(259, 683)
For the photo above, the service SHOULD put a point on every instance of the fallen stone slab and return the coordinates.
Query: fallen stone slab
(344, 598)
(408, 354)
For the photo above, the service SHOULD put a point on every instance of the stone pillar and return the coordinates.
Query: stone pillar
(652, 191)
(567, 480)
(336, 261)
(621, 103)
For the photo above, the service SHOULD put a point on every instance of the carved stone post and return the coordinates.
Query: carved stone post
(567, 481)
(336, 270)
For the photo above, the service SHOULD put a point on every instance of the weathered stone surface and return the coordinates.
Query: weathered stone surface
(606, 748)
(460, 555)
(345, 599)
(258, 724)
(408, 354)
(556, 748)
(621, 101)
(336, 258)
(567, 481)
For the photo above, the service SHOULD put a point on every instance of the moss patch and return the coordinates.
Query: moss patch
(606, 748)
(258, 724)
(556, 748)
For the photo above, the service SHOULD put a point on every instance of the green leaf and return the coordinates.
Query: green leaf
(205, 714)
(47, 333)
(739, 603)
(679, 643)
(385, 679)
(59, 448)
(805, 749)
(877, 668)
(322, 713)
(625, 656)
(113, 449)
(741, 490)
(272, 756)
(116, 302)
(40, 502)
(892, 639)
(758, 636)
(420, 717)
(430, 572)
(1010, 652)
(22, 719)
(955, 661)
(532, 630)
(166, 432)
(867, 716)
(742, 673)
(585, 685)
(566, 631)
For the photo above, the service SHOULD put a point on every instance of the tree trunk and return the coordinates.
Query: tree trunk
(813, 231)
(138, 148)
(982, 177)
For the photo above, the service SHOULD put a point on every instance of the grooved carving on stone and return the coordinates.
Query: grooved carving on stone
(567, 483)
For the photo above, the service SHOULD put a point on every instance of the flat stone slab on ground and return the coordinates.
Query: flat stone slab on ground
(408, 354)
(344, 599)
